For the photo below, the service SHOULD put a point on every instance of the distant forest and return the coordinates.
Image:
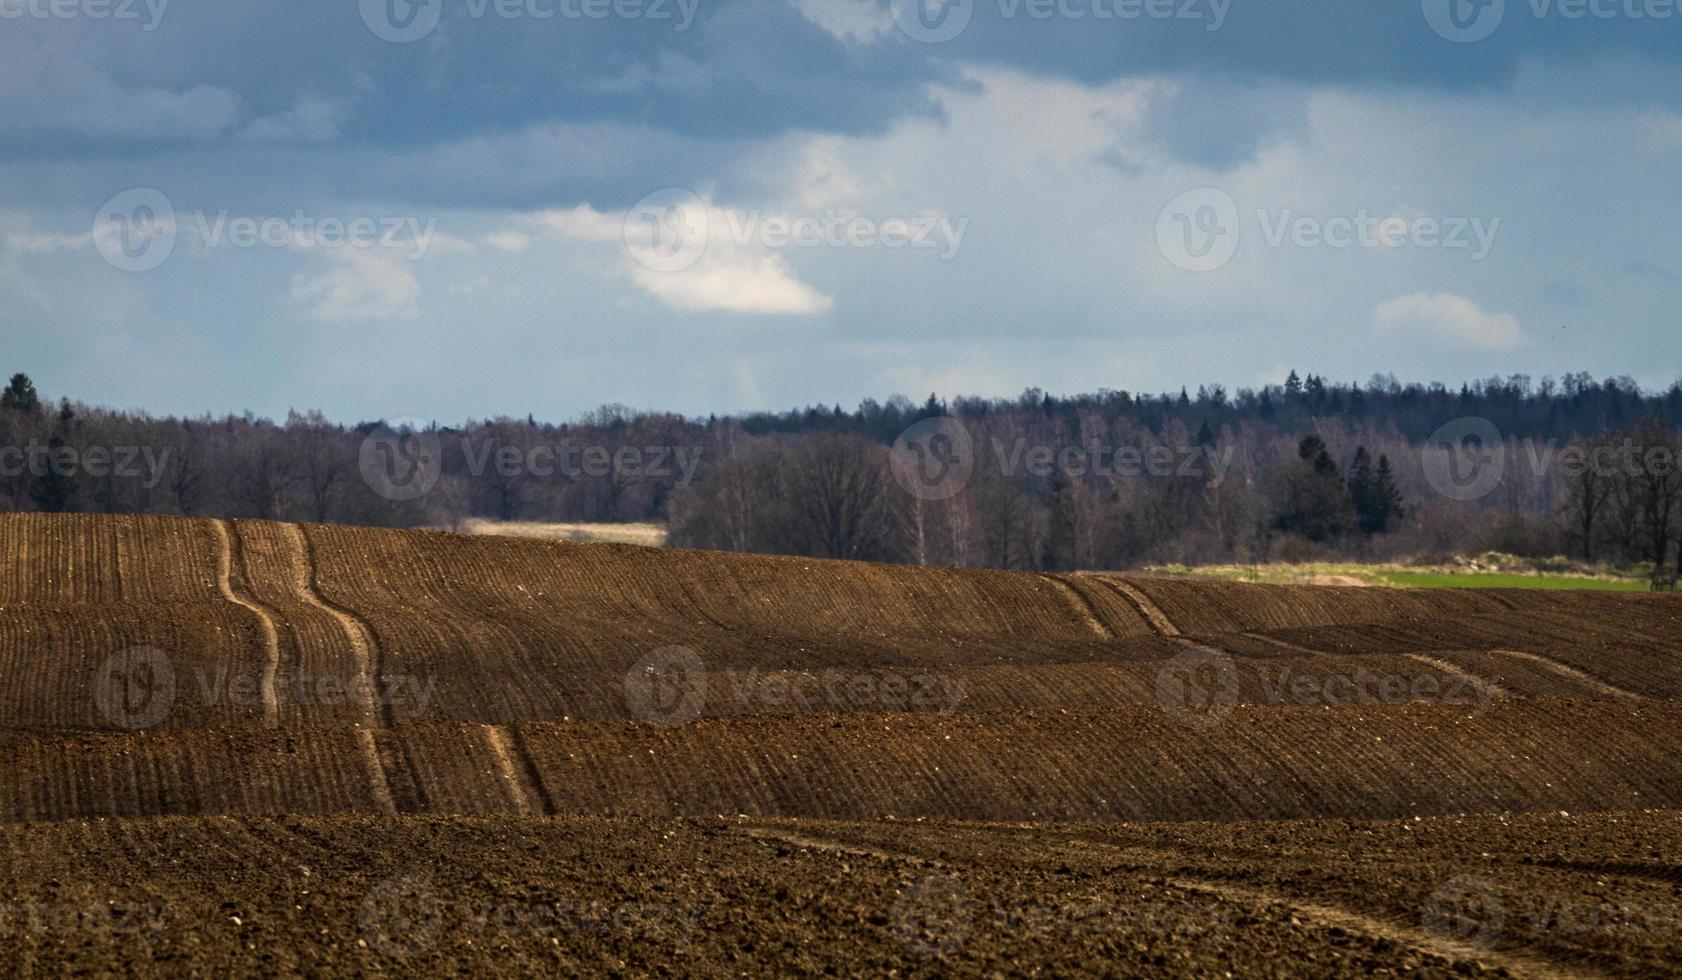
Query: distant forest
(1306, 468)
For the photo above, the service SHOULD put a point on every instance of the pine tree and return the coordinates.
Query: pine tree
(55, 488)
(1386, 498)
(20, 396)
(1377, 502)
(1360, 488)
(1316, 503)
(1059, 552)
(1293, 385)
(1205, 435)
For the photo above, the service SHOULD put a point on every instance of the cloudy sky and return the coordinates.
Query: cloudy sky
(479, 207)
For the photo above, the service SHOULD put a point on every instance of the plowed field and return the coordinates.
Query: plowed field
(237, 746)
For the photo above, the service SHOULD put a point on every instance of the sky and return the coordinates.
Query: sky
(468, 208)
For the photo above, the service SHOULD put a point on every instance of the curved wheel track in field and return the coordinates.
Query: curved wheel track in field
(301, 558)
(1153, 614)
(378, 786)
(1284, 644)
(1478, 683)
(1083, 607)
(838, 847)
(502, 753)
(1418, 939)
(365, 651)
(227, 537)
(1567, 671)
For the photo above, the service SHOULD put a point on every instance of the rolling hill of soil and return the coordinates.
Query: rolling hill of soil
(269, 729)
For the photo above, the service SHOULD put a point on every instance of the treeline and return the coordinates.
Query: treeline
(1307, 468)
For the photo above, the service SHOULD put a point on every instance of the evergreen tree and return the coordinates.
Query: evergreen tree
(1205, 435)
(1386, 498)
(1316, 504)
(20, 396)
(1059, 551)
(56, 487)
(1293, 385)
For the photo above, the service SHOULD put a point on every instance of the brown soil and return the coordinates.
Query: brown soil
(355, 750)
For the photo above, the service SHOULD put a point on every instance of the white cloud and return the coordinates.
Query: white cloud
(727, 275)
(49, 90)
(507, 241)
(849, 20)
(310, 120)
(1445, 316)
(364, 284)
(737, 281)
